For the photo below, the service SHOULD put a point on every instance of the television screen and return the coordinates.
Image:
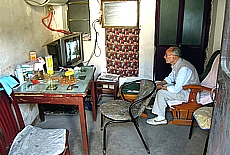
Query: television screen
(72, 51)
(67, 51)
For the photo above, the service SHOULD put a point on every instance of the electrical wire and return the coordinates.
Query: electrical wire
(56, 25)
(99, 3)
(50, 16)
(95, 43)
(33, 2)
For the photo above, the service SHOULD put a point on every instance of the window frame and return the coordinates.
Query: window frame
(71, 19)
(118, 19)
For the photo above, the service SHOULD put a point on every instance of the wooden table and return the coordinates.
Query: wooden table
(38, 94)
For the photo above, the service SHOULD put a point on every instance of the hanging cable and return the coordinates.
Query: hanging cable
(95, 43)
(50, 16)
(35, 3)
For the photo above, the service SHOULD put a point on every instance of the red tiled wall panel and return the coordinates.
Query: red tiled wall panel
(122, 51)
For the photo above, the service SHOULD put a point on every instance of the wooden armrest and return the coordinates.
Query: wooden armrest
(194, 90)
(198, 87)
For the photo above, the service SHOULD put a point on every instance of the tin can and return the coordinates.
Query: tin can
(33, 55)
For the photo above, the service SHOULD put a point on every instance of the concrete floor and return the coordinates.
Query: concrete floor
(122, 139)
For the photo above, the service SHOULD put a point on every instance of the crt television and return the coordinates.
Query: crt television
(67, 51)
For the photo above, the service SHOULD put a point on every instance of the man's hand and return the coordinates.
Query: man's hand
(160, 84)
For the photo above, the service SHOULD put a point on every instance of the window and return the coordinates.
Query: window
(120, 13)
(78, 16)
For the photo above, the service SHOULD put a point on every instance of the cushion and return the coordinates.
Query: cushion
(116, 109)
(37, 141)
(203, 117)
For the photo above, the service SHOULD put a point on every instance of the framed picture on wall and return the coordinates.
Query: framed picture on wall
(120, 13)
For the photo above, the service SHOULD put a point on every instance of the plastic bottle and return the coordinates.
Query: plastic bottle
(19, 74)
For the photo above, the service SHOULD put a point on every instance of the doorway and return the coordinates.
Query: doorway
(182, 23)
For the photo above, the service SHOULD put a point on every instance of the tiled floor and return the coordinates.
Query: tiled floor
(122, 139)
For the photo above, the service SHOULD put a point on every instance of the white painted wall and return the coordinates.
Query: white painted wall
(22, 31)
(147, 23)
(216, 27)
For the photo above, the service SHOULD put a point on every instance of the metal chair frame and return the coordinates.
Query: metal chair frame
(132, 119)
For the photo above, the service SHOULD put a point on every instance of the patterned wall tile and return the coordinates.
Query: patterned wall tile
(122, 51)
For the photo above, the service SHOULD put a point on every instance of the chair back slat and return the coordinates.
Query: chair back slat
(8, 124)
(18, 114)
(11, 121)
(3, 150)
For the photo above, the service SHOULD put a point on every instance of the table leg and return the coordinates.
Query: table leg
(115, 91)
(83, 125)
(41, 113)
(94, 100)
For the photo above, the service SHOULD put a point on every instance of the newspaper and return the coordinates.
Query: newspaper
(108, 77)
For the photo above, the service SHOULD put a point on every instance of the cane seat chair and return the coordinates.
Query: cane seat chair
(122, 110)
(182, 111)
(16, 138)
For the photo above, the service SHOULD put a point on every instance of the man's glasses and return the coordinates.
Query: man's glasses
(169, 55)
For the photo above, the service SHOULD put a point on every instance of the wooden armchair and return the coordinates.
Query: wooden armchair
(182, 111)
(16, 138)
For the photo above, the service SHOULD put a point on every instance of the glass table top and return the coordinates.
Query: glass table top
(81, 86)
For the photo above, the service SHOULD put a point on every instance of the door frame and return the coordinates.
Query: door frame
(219, 138)
(204, 38)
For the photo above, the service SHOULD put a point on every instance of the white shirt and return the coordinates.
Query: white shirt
(178, 80)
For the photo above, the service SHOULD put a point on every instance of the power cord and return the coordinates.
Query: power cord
(95, 43)
(50, 16)
(35, 3)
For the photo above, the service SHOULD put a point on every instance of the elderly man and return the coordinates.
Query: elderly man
(183, 73)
